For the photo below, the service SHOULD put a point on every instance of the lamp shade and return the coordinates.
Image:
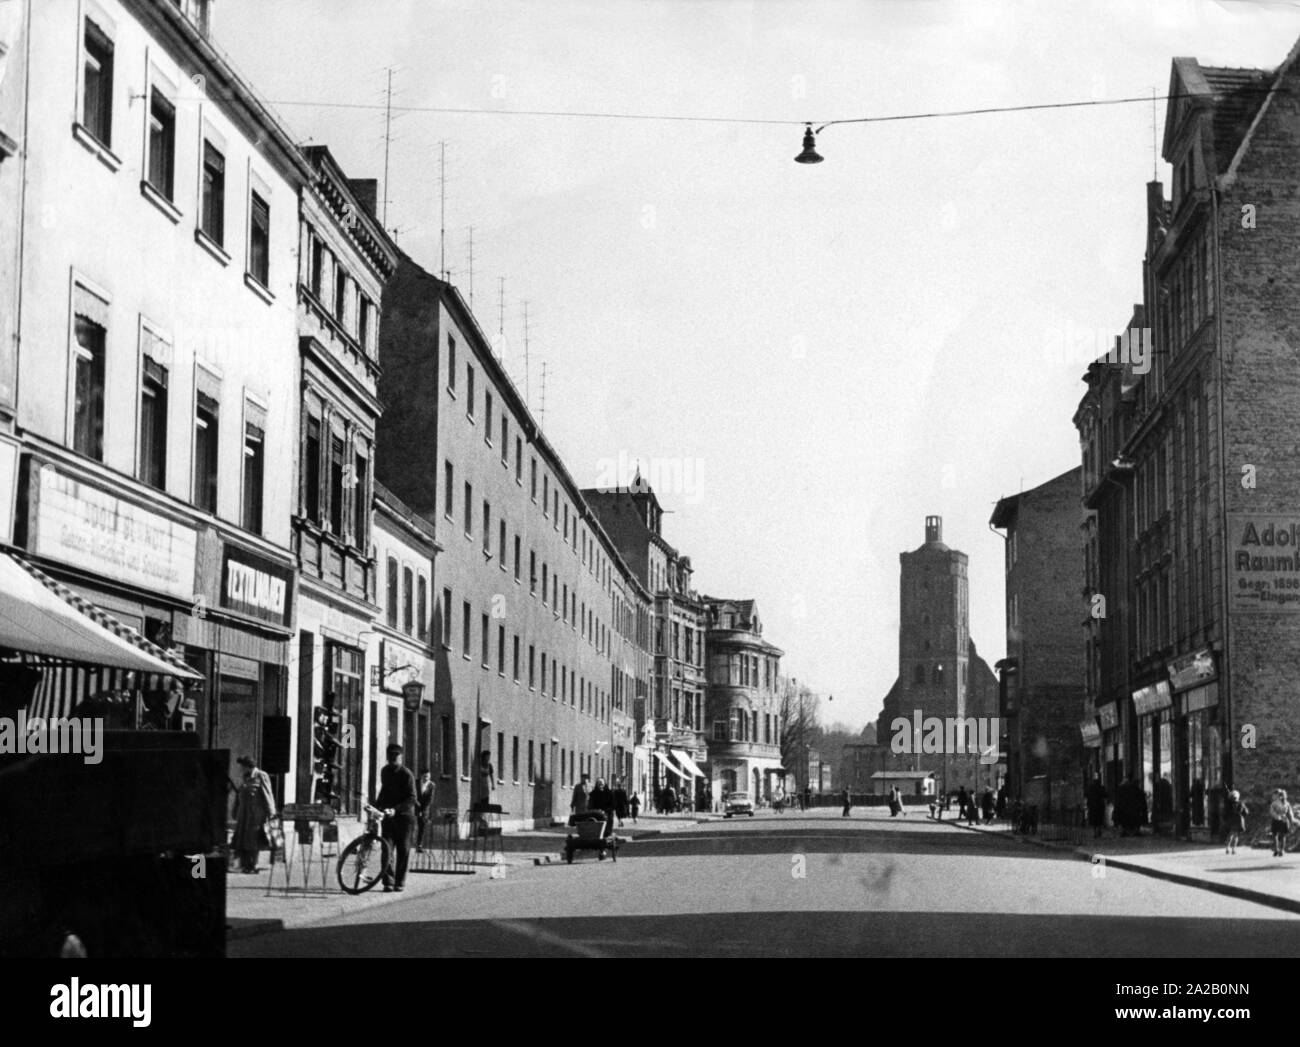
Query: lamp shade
(412, 695)
(809, 153)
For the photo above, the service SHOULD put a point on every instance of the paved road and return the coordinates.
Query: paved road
(785, 885)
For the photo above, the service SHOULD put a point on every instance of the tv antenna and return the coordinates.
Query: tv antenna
(471, 268)
(527, 398)
(442, 209)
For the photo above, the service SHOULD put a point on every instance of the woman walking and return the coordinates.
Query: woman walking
(1280, 819)
(254, 809)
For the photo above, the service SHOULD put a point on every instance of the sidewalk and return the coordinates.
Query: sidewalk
(1252, 874)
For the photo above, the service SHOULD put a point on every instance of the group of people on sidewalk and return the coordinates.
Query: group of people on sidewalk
(614, 801)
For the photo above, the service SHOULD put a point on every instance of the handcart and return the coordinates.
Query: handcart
(594, 832)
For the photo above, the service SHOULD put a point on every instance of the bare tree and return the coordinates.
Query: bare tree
(798, 724)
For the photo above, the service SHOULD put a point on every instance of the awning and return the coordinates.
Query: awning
(669, 765)
(684, 759)
(41, 616)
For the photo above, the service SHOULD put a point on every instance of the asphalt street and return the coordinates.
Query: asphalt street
(817, 885)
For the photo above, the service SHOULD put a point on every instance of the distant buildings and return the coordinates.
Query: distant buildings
(1043, 700)
(940, 674)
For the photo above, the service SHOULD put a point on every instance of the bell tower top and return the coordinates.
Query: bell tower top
(934, 528)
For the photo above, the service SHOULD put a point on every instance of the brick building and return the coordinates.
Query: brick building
(940, 674)
(1043, 698)
(1208, 461)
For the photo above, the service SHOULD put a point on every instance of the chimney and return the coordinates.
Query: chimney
(366, 190)
(934, 528)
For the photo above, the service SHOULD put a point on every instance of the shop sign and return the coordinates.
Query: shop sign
(1108, 716)
(82, 525)
(1264, 563)
(1091, 734)
(255, 586)
(1201, 698)
(1153, 698)
(398, 666)
(1192, 670)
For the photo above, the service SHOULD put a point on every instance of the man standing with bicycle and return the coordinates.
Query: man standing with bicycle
(397, 795)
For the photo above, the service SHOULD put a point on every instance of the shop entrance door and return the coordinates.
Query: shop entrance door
(238, 721)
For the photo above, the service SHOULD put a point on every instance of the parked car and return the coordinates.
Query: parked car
(738, 803)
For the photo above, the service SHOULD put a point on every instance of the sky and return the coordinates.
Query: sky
(805, 360)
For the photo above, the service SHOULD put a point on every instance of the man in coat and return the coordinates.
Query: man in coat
(620, 801)
(847, 801)
(397, 794)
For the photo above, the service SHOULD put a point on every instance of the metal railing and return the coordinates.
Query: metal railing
(1052, 824)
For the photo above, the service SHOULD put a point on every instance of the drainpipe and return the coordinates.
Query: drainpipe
(1225, 690)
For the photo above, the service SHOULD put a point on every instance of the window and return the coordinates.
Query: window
(259, 241)
(408, 601)
(555, 506)
(254, 468)
(501, 542)
(360, 503)
(518, 551)
(516, 659)
(531, 765)
(446, 618)
(487, 417)
(340, 294)
(206, 424)
(97, 86)
(153, 423)
(514, 759)
(519, 460)
(464, 748)
(451, 365)
(486, 642)
(363, 322)
(392, 593)
(487, 527)
(532, 492)
(422, 621)
(543, 672)
(544, 577)
(505, 438)
(464, 627)
(317, 266)
(532, 571)
(88, 407)
(311, 468)
(469, 509)
(469, 391)
(546, 496)
(212, 206)
(448, 490)
(532, 668)
(501, 649)
(336, 485)
(162, 142)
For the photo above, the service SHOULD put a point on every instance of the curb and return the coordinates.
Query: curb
(250, 928)
(1247, 894)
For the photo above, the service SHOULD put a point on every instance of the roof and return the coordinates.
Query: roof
(1005, 511)
(1240, 93)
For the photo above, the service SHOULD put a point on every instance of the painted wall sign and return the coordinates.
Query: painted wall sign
(255, 586)
(1192, 670)
(1152, 698)
(82, 525)
(1264, 563)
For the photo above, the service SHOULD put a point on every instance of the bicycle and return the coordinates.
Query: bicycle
(363, 861)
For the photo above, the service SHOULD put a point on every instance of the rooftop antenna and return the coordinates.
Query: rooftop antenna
(527, 398)
(471, 268)
(442, 212)
(388, 137)
(1155, 156)
(543, 418)
(501, 314)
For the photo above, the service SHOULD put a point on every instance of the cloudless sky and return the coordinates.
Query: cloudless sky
(807, 359)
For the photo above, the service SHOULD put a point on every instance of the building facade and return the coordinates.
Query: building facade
(542, 629)
(1043, 695)
(742, 702)
(157, 348)
(344, 259)
(940, 673)
(633, 518)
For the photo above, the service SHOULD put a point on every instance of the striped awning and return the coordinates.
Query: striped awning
(31, 622)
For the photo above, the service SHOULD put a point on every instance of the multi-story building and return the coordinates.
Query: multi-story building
(1043, 697)
(1214, 575)
(542, 629)
(940, 673)
(344, 259)
(742, 702)
(633, 518)
(157, 352)
(402, 656)
(14, 20)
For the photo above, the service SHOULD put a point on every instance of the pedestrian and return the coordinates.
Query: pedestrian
(602, 799)
(635, 806)
(972, 808)
(1237, 811)
(423, 800)
(898, 796)
(254, 809)
(620, 801)
(397, 799)
(1096, 803)
(986, 806)
(1002, 802)
(578, 804)
(670, 800)
(1281, 818)
(961, 803)
(846, 798)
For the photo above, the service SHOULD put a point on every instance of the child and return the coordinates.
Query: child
(1280, 819)
(1237, 811)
